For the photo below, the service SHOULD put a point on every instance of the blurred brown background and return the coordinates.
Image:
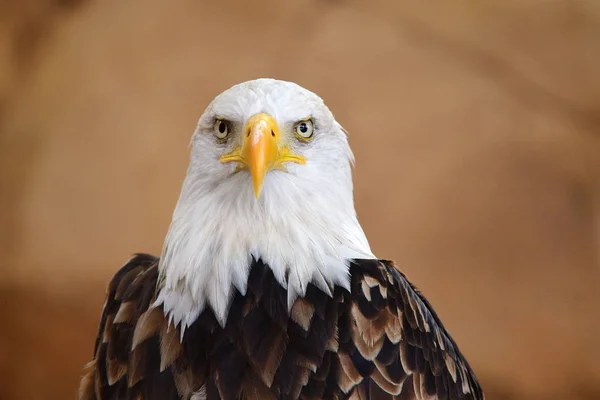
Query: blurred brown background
(476, 128)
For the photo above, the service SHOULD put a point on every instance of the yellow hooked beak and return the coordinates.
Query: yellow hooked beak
(262, 150)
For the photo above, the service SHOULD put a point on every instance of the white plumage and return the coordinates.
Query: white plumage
(303, 224)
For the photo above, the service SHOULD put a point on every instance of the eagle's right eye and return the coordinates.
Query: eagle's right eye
(221, 129)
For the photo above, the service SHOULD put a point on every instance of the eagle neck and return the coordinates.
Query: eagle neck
(215, 237)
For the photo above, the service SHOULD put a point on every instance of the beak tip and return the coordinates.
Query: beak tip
(257, 191)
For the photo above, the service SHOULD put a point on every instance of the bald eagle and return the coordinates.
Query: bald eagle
(266, 287)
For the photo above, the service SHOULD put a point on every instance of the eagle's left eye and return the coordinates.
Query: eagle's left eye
(305, 129)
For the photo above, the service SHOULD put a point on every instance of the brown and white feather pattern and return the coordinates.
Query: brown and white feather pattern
(380, 340)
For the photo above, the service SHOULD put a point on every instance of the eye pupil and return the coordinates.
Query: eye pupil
(222, 127)
(303, 127)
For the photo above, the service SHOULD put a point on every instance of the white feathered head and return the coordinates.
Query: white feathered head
(269, 178)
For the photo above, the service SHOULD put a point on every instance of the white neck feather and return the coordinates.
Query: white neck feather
(303, 226)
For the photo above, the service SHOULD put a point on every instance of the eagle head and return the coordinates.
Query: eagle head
(269, 179)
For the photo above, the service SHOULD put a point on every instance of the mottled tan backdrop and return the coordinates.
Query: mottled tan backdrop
(476, 128)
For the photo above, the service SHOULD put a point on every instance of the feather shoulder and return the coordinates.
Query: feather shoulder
(134, 347)
(393, 345)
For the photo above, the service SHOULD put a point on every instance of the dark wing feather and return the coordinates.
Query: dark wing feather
(135, 352)
(397, 347)
(381, 340)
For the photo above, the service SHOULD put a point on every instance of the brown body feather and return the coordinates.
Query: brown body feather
(381, 340)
